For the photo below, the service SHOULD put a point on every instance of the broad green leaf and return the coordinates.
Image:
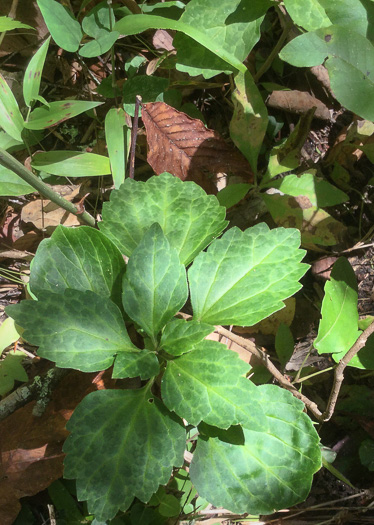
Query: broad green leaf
(320, 192)
(190, 218)
(206, 384)
(57, 112)
(366, 452)
(272, 468)
(284, 344)
(11, 184)
(11, 370)
(33, 74)
(170, 506)
(7, 24)
(338, 329)
(357, 14)
(11, 119)
(244, 276)
(80, 330)
(100, 17)
(118, 146)
(350, 63)
(8, 334)
(308, 14)
(365, 357)
(232, 194)
(65, 30)
(231, 25)
(71, 163)
(123, 444)
(155, 283)
(79, 258)
(181, 336)
(102, 43)
(149, 88)
(64, 502)
(250, 119)
(142, 363)
(134, 24)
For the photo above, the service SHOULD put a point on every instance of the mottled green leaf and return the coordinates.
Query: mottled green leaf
(142, 363)
(118, 146)
(250, 119)
(57, 112)
(124, 444)
(11, 370)
(180, 336)
(338, 329)
(155, 283)
(244, 276)
(11, 184)
(190, 218)
(79, 258)
(65, 30)
(196, 388)
(71, 163)
(269, 469)
(11, 119)
(76, 329)
(33, 74)
(308, 14)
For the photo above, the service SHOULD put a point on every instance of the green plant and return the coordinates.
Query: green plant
(257, 450)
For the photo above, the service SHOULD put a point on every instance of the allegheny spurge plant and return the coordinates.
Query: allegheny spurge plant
(256, 450)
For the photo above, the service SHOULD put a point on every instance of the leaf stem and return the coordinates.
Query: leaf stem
(14, 165)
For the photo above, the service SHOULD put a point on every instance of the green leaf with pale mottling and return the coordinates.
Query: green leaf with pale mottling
(245, 276)
(196, 388)
(123, 444)
(71, 163)
(308, 14)
(190, 218)
(33, 74)
(79, 258)
(155, 283)
(65, 30)
(142, 363)
(181, 336)
(80, 330)
(264, 470)
(57, 112)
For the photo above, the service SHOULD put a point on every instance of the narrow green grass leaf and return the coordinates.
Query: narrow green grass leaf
(181, 336)
(110, 432)
(11, 119)
(244, 276)
(65, 30)
(33, 74)
(338, 329)
(57, 112)
(71, 163)
(118, 146)
(155, 283)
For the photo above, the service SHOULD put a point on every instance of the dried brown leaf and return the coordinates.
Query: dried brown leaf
(184, 147)
(298, 102)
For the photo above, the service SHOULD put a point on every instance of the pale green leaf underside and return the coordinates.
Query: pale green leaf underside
(244, 276)
(155, 283)
(79, 258)
(207, 384)
(181, 336)
(338, 329)
(271, 470)
(124, 444)
(189, 217)
(142, 363)
(80, 330)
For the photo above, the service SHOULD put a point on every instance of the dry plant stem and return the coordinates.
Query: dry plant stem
(339, 376)
(12, 164)
(263, 357)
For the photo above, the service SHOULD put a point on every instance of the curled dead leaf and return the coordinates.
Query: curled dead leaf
(298, 102)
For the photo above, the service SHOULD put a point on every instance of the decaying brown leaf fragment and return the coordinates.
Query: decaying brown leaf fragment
(184, 147)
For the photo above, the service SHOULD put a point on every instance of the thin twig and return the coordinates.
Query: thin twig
(134, 133)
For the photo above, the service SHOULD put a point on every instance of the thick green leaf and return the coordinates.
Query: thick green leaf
(33, 74)
(189, 217)
(207, 384)
(11, 370)
(7, 24)
(272, 468)
(118, 146)
(250, 119)
(181, 336)
(79, 258)
(308, 14)
(142, 363)
(245, 276)
(11, 184)
(232, 194)
(65, 30)
(80, 330)
(124, 444)
(232, 25)
(350, 64)
(57, 112)
(11, 119)
(320, 192)
(338, 329)
(155, 284)
(71, 163)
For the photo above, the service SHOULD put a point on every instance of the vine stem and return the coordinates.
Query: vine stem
(14, 165)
